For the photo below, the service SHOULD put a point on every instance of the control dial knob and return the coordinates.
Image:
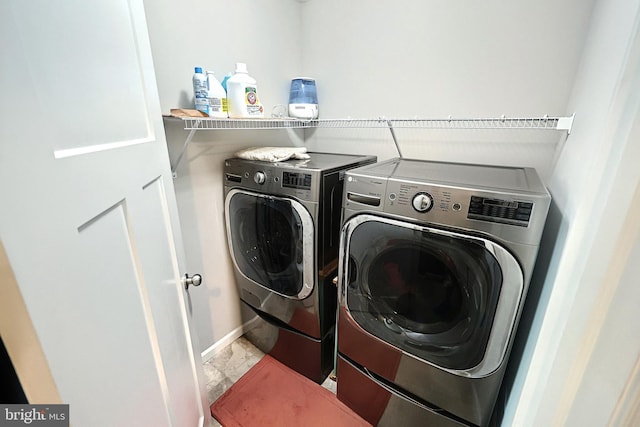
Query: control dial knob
(422, 202)
(259, 178)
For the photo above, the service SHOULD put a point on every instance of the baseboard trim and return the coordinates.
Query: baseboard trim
(236, 333)
(208, 353)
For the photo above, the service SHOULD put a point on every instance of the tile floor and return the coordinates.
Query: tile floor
(230, 363)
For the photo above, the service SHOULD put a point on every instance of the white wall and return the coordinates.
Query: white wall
(215, 34)
(432, 59)
(580, 351)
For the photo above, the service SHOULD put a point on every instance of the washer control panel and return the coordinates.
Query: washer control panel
(271, 178)
(509, 203)
(453, 205)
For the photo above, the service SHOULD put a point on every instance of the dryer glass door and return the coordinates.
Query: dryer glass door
(270, 239)
(429, 292)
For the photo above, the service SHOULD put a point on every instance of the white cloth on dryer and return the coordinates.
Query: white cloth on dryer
(273, 154)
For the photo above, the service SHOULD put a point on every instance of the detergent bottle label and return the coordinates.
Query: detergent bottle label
(251, 100)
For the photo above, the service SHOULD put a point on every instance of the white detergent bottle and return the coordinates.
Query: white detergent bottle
(217, 97)
(242, 95)
(200, 91)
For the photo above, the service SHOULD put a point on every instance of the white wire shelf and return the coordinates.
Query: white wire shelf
(191, 123)
(194, 124)
(542, 123)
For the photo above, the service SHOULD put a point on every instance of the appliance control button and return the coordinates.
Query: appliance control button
(457, 206)
(392, 196)
(422, 202)
(259, 177)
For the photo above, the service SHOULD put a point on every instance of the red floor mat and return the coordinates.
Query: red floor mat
(271, 394)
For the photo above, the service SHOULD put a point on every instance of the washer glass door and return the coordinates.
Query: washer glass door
(432, 293)
(270, 239)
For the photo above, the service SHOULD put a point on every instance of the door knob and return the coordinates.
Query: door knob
(195, 280)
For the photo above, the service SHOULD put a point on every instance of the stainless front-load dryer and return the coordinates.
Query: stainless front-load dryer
(435, 263)
(283, 230)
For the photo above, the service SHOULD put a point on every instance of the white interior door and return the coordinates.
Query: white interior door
(88, 216)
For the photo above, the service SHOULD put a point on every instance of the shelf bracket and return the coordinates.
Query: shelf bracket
(192, 132)
(566, 123)
(393, 135)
